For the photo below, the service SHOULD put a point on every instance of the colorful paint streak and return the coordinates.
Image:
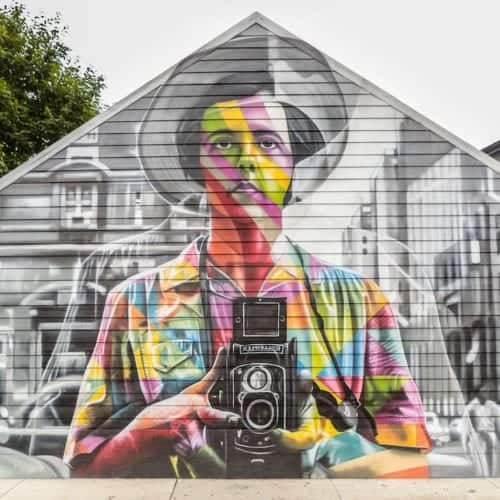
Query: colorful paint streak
(247, 163)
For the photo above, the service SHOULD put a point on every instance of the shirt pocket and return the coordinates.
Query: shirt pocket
(176, 357)
(171, 354)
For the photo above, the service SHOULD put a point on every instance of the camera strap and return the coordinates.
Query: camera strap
(206, 333)
(343, 415)
(347, 414)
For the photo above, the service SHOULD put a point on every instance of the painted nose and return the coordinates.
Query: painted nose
(247, 165)
(247, 162)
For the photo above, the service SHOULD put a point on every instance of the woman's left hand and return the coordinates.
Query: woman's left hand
(313, 427)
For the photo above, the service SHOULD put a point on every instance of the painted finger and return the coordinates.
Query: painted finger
(218, 419)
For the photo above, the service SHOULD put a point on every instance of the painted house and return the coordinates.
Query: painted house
(374, 196)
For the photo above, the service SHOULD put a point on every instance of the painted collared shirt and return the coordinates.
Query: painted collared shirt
(151, 344)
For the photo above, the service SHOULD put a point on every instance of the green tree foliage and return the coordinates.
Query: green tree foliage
(44, 91)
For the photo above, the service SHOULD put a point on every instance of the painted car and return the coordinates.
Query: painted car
(457, 429)
(439, 433)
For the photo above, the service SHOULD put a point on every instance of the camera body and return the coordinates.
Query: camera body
(258, 383)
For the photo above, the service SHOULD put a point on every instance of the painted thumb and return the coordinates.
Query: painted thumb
(204, 384)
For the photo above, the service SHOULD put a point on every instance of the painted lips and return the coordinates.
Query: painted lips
(244, 187)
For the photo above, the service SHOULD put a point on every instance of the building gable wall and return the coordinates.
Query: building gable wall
(389, 195)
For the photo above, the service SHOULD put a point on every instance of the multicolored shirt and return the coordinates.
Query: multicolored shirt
(150, 344)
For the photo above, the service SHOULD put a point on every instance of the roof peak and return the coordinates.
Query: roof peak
(255, 17)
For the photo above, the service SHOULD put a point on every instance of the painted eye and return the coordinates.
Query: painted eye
(266, 145)
(223, 145)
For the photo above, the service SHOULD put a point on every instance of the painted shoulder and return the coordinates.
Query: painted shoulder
(177, 270)
(341, 273)
(332, 278)
(321, 271)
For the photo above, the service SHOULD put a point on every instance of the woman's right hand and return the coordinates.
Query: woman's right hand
(177, 424)
(174, 426)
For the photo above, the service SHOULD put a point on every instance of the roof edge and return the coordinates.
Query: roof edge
(492, 148)
(255, 17)
(119, 106)
(415, 115)
(475, 152)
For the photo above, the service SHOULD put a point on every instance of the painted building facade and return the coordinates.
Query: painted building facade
(262, 199)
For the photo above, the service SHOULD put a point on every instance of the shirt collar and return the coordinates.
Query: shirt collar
(183, 271)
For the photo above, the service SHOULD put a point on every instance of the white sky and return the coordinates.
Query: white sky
(438, 56)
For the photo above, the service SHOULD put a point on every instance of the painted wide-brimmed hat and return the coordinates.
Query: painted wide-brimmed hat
(297, 75)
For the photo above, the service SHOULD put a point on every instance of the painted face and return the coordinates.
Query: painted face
(246, 155)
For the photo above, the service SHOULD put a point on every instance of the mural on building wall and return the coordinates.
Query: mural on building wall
(258, 268)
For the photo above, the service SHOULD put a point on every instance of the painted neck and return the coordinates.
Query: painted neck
(242, 249)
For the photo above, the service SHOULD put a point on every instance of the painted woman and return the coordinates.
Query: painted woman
(257, 135)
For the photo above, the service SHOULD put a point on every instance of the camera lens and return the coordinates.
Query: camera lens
(260, 414)
(257, 379)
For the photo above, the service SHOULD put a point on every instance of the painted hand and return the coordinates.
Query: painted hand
(312, 426)
(177, 424)
(174, 426)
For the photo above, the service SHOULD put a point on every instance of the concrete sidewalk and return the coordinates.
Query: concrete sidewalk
(295, 489)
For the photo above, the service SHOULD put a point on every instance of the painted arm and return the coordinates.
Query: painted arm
(382, 382)
(113, 427)
(173, 426)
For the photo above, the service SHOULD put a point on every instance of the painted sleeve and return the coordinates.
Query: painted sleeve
(109, 395)
(389, 392)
